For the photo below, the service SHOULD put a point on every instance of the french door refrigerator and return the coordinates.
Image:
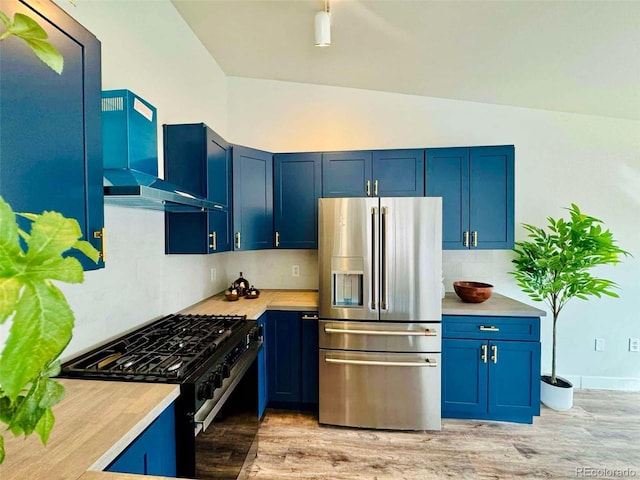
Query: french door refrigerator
(380, 267)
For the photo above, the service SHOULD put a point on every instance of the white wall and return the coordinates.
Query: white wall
(560, 158)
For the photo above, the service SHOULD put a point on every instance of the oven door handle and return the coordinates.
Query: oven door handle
(209, 410)
(427, 332)
(427, 362)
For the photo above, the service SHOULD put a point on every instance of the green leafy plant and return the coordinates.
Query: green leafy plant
(34, 35)
(554, 266)
(41, 319)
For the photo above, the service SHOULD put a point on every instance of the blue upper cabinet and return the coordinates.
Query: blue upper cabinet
(346, 174)
(50, 140)
(198, 160)
(252, 199)
(297, 185)
(477, 189)
(388, 173)
(398, 173)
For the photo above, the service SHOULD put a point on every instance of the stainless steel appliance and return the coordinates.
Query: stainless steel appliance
(213, 358)
(380, 265)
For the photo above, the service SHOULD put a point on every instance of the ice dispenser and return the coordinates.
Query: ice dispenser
(347, 279)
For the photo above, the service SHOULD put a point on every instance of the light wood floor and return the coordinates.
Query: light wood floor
(601, 432)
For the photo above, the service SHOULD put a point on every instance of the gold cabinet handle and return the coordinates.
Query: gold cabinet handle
(494, 353)
(465, 239)
(102, 235)
(489, 329)
(474, 239)
(375, 188)
(367, 187)
(277, 239)
(237, 239)
(483, 357)
(214, 241)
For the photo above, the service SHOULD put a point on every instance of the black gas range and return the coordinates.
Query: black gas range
(213, 359)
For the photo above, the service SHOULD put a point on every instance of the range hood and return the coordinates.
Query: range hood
(130, 188)
(130, 156)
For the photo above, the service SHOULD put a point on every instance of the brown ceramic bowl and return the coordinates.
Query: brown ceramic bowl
(473, 292)
(230, 296)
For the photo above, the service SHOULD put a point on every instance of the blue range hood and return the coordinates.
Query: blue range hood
(130, 156)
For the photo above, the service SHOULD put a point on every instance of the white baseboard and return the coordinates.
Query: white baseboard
(605, 383)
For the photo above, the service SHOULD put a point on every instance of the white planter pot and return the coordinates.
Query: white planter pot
(559, 396)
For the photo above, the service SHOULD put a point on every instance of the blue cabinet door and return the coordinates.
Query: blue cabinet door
(514, 380)
(464, 378)
(296, 188)
(491, 179)
(476, 186)
(283, 359)
(398, 173)
(252, 198)
(309, 360)
(153, 452)
(198, 160)
(448, 177)
(263, 388)
(50, 140)
(347, 174)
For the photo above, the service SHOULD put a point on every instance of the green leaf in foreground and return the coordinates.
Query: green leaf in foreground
(1, 449)
(30, 31)
(45, 425)
(40, 331)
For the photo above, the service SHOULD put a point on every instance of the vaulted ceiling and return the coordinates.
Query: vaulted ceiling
(574, 56)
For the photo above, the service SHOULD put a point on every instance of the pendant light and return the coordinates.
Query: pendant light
(323, 26)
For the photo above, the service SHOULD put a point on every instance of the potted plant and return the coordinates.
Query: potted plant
(553, 267)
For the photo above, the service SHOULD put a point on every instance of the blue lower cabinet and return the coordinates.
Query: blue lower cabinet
(153, 452)
(292, 359)
(263, 390)
(283, 357)
(490, 379)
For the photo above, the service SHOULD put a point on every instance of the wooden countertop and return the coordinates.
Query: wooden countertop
(94, 422)
(496, 305)
(253, 308)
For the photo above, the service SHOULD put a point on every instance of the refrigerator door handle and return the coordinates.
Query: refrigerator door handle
(374, 216)
(383, 258)
(401, 333)
(427, 362)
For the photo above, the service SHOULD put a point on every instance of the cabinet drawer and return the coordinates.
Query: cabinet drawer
(499, 328)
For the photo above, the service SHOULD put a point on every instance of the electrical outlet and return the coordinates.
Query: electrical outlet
(295, 270)
(214, 274)
(634, 344)
(599, 345)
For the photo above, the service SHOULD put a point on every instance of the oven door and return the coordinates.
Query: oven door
(226, 436)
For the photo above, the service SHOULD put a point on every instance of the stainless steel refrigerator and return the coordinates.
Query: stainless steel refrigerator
(380, 267)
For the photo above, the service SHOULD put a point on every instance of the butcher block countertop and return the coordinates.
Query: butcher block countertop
(496, 305)
(95, 421)
(253, 308)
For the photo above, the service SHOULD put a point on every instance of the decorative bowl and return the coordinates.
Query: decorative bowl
(473, 292)
(252, 293)
(232, 297)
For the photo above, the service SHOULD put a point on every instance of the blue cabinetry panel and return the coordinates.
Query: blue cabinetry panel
(283, 359)
(496, 377)
(252, 198)
(198, 160)
(476, 186)
(153, 452)
(50, 140)
(309, 360)
(296, 189)
(398, 173)
(345, 174)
